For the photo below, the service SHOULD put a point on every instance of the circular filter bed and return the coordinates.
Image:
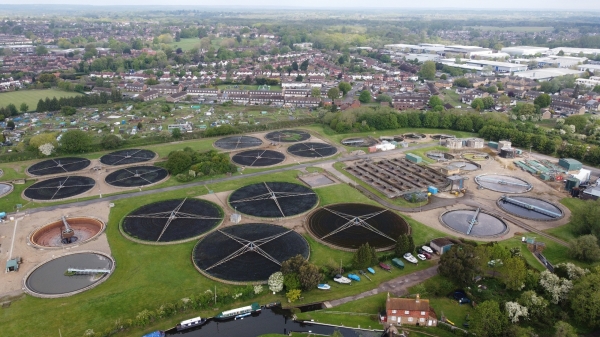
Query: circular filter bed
(58, 165)
(69, 274)
(136, 176)
(273, 199)
(287, 136)
(258, 158)
(351, 225)
(59, 188)
(312, 150)
(474, 223)
(172, 221)
(5, 188)
(530, 208)
(247, 253)
(238, 142)
(465, 165)
(503, 183)
(129, 156)
(56, 234)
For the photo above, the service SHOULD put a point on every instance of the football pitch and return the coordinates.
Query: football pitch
(31, 97)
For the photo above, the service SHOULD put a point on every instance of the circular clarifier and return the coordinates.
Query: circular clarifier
(474, 223)
(52, 236)
(56, 278)
(530, 208)
(503, 183)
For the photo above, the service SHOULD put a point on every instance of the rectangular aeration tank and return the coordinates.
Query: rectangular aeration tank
(413, 158)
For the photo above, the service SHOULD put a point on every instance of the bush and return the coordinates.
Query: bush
(75, 141)
(184, 178)
(178, 162)
(111, 142)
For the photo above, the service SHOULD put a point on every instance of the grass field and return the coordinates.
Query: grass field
(186, 44)
(31, 97)
(533, 29)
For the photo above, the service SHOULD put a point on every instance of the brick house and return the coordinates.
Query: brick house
(148, 95)
(567, 109)
(409, 311)
(177, 97)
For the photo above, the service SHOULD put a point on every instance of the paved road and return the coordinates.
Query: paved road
(398, 286)
(214, 181)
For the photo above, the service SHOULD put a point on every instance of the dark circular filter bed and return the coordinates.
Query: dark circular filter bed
(530, 208)
(129, 156)
(273, 199)
(238, 142)
(51, 277)
(5, 188)
(474, 223)
(172, 220)
(58, 165)
(258, 158)
(312, 150)
(136, 176)
(287, 136)
(352, 225)
(503, 183)
(247, 253)
(59, 188)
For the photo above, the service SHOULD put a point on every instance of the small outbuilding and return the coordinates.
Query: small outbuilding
(569, 164)
(12, 265)
(441, 245)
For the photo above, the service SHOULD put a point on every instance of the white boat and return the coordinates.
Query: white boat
(421, 257)
(341, 279)
(410, 258)
(324, 286)
(427, 249)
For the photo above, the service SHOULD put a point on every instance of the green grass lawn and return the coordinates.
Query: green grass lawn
(451, 309)
(186, 44)
(531, 260)
(31, 97)
(450, 96)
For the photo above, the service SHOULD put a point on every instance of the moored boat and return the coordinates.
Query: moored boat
(341, 279)
(385, 266)
(234, 313)
(324, 286)
(410, 258)
(371, 270)
(354, 277)
(190, 323)
(158, 333)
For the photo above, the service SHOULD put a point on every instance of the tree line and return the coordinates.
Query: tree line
(55, 104)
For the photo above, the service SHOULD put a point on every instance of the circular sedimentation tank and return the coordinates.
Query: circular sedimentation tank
(258, 158)
(530, 208)
(348, 226)
(273, 199)
(415, 136)
(474, 223)
(287, 136)
(442, 136)
(136, 176)
(312, 150)
(51, 278)
(58, 166)
(475, 156)
(238, 142)
(5, 189)
(171, 221)
(50, 235)
(59, 188)
(359, 141)
(247, 253)
(465, 165)
(129, 156)
(503, 183)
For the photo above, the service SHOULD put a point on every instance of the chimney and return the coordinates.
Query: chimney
(417, 298)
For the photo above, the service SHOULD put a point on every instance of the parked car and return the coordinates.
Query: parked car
(461, 297)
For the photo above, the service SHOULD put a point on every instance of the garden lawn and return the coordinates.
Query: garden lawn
(528, 255)
(451, 309)
(186, 44)
(31, 97)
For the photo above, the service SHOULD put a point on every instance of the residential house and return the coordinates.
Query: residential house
(592, 105)
(148, 95)
(167, 89)
(203, 92)
(177, 97)
(136, 86)
(532, 94)
(409, 311)
(266, 99)
(562, 99)
(304, 101)
(567, 109)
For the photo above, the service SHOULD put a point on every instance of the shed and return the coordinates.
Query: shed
(12, 265)
(450, 170)
(441, 245)
(457, 182)
(413, 158)
(569, 164)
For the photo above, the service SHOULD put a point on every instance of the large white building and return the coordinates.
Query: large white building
(525, 50)
(575, 51)
(595, 68)
(560, 61)
(546, 74)
(589, 82)
(480, 65)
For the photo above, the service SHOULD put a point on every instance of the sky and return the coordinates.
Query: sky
(423, 4)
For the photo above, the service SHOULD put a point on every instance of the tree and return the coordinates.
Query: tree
(304, 65)
(362, 257)
(515, 311)
(401, 246)
(536, 305)
(543, 100)
(68, 110)
(492, 89)
(443, 77)
(435, 100)
(275, 282)
(46, 149)
(309, 276)
(139, 126)
(561, 53)
(428, 70)
(315, 92)
(411, 243)
(596, 89)
(514, 273)
(564, 329)
(10, 125)
(178, 162)
(299, 78)
(176, 133)
(383, 98)
(293, 295)
(557, 288)
(24, 107)
(585, 299)
(43, 138)
(333, 93)
(295, 66)
(585, 248)
(12, 109)
(365, 96)
(41, 50)
(111, 142)
(504, 100)
(487, 320)
(344, 87)
(462, 82)
(477, 104)
(459, 264)
(291, 281)
(75, 141)
(488, 102)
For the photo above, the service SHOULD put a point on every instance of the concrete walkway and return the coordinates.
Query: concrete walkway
(398, 286)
